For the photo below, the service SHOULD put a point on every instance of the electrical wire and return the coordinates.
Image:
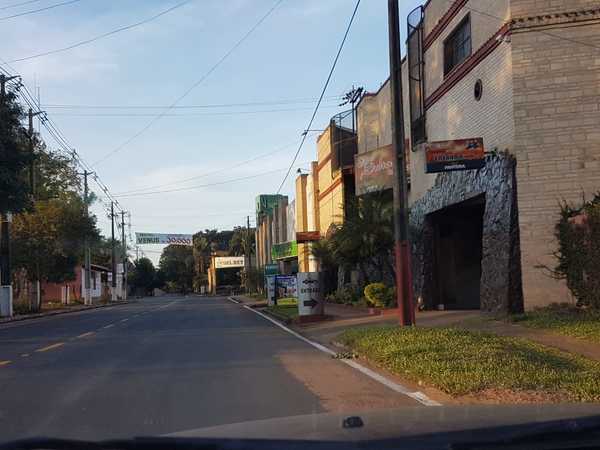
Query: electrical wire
(207, 106)
(193, 86)
(200, 186)
(220, 113)
(337, 56)
(46, 8)
(103, 35)
(223, 169)
(15, 5)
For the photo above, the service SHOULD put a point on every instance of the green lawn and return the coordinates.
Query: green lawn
(287, 307)
(461, 362)
(564, 319)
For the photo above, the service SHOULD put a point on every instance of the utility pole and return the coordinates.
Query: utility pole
(406, 310)
(114, 253)
(36, 294)
(87, 254)
(5, 271)
(124, 244)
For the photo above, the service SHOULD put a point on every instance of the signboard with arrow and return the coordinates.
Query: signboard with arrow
(310, 295)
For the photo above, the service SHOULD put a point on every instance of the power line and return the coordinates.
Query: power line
(337, 56)
(200, 186)
(220, 113)
(33, 11)
(193, 86)
(103, 35)
(290, 101)
(223, 169)
(15, 5)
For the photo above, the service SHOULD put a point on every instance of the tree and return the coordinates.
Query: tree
(15, 192)
(143, 277)
(242, 242)
(177, 264)
(47, 241)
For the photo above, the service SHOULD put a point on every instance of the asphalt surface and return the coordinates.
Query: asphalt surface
(153, 367)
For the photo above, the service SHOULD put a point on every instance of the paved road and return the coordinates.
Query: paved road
(156, 366)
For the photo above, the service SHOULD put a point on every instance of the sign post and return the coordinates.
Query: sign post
(310, 294)
(271, 289)
(161, 238)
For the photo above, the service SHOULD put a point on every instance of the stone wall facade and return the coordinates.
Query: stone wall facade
(500, 283)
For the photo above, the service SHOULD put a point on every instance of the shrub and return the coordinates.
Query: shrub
(578, 255)
(21, 307)
(378, 295)
(345, 296)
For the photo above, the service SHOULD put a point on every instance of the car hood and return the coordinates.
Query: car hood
(471, 421)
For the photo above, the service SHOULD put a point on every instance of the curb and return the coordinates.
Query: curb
(58, 313)
(415, 395)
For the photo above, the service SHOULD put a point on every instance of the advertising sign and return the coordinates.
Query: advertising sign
(284, 250)
(307, 236)
(161, 238)
(225, 262)
(310, 295)
(462, 154)
(271, 269)
(374, 170)
(286, 286)
(270, 282)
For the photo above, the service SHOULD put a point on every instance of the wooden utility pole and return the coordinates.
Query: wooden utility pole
(406, 310)
(113, 253)
(87, 253)
(124, 244)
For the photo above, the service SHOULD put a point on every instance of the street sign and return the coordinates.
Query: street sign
(270, 282)
(310, 295)
(161, 238)
(271, 269)
(462, 154)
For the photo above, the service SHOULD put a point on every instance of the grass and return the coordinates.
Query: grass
(563, 319)
(286, 307)
(461, 362)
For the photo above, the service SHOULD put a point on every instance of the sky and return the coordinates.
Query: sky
(101, 95)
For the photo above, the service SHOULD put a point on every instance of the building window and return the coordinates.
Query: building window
(457, 47)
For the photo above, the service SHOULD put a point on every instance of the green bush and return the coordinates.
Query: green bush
(378, 295)
(345, 296)
(578, 255)
(21, 307)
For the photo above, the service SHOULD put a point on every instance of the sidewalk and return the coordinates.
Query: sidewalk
(345, 317)
(59, 311)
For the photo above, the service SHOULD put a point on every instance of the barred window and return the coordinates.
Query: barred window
(457, 47)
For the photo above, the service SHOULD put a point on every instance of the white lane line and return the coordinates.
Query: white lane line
(109, 326)
(124, 320)
(416, 395)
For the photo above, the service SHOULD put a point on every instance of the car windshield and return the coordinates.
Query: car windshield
(298, 219)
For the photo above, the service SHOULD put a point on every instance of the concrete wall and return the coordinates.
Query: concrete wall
(330, 189)
(557, 145)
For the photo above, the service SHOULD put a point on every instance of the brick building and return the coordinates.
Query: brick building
(523, 75)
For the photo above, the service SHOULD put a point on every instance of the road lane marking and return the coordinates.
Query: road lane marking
(109, 326)
(4, 363)
(415, 395)
(24, 355)
(124, 320)
(89, 333)
(50, 347)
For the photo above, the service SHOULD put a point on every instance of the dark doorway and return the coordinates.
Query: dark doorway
(458, 232)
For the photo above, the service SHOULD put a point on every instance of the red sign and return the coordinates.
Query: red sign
(462, 154)
(307, 236)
